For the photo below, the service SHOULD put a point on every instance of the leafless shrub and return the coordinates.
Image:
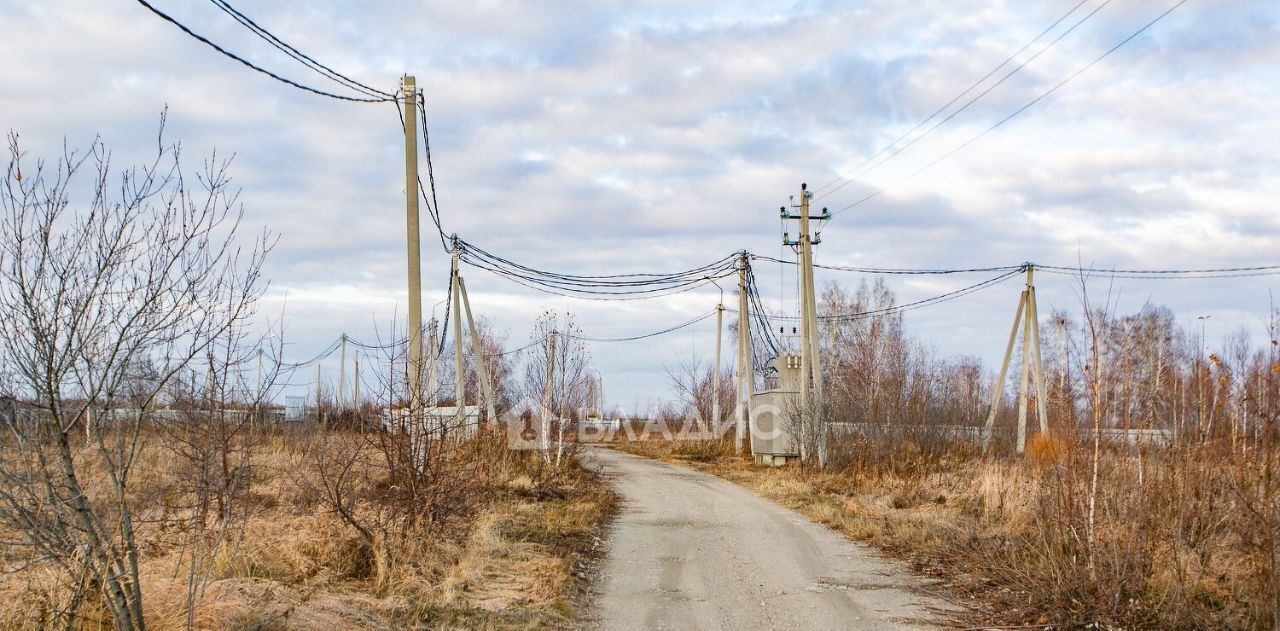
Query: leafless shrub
(105, 302)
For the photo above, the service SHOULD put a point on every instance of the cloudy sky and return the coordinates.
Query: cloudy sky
(603, 137)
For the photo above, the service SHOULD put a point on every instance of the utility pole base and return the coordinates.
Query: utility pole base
(771, 460)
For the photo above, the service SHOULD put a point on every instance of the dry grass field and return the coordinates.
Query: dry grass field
(508, 557)
(1181, 538)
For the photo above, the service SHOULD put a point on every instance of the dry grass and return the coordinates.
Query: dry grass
(1180, 538)
(515, 563)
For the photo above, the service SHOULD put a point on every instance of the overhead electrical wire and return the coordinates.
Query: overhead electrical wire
(522, 348)
(434, 206)
(647, 335)
(296, 54)
(433, 210)
(846, 178)
(242, 60)
(604, 297)
(1015, 113)
(849, 178)
(756, 308)
(377, 347)
(609, 279)
(1162, 274)
(637, 286)
(911, 306)
(634, 286)
(329, 350)
(895, 270)
(448, 307)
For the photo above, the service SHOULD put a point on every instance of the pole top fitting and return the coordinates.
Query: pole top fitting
(804, 186)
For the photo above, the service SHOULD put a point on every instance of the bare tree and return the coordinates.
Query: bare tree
(1097, 320)
(105, 303)
(555, 374)
(692, 379)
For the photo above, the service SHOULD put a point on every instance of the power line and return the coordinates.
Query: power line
(639, 278)
(1015, 113)
(919, 304)
(296, 54)
(328, 351)
(633, 286)
(377, 347)
(260, 69)
(522, 348)
(755, 304)
(1171, 274)
(896, 270)
(1163, 274)
(846, 178)
(597, 296)
(647, 335)
(434, 206)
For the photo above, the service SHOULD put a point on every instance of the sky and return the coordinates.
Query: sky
(602, 137)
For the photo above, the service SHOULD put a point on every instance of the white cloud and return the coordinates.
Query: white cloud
(601, 137)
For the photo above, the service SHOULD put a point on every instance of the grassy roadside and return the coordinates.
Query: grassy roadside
(525, 563)
(1174, 549)
(515, 560)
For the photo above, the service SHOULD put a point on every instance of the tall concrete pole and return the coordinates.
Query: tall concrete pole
(805, 359)
(433, 361)
(544, 436)
(355, 383)
(815, 356)
(997, 390)
(259, 395)
(715, 374)
(342, 375)
(810, 361)
(459, 371)
(409, 93)
(319, 417)
(1042, 405)
(1024, 393)
(477, 355)
(743, 379)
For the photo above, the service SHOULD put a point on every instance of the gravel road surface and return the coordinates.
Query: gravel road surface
(693, 551)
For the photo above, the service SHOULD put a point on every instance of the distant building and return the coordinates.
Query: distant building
(294, 406)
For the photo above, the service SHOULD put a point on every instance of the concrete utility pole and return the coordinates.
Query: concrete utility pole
(1032, 366)
(409, 94)
(459, 374)
(714, 422)
(477, 354)
(810, 360)
(318, 382)
(715, 374)
(342, 375)
(744, 379)
(544, 436)
(433, 359)
(259, 395)
(600, 393)
(355, 382)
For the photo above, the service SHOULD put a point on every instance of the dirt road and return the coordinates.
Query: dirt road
(692, 551)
